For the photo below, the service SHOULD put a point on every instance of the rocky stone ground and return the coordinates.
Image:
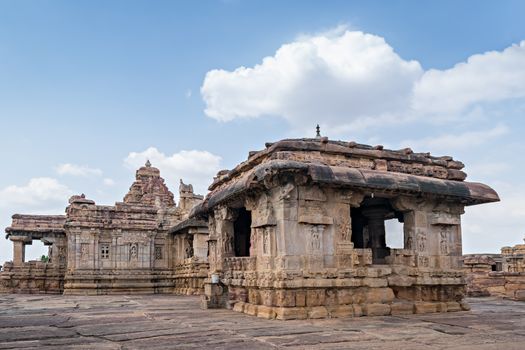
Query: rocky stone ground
(176, 322)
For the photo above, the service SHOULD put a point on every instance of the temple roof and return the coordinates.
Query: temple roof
(192, 222)
(352, 154)
(36, 224)
(349, 164)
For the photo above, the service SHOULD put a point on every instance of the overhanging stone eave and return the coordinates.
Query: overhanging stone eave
(470, 193)
(191, 222)
(34, 234)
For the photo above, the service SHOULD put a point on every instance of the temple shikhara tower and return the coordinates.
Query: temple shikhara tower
(295, 231)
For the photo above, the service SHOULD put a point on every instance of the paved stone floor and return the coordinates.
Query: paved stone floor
(176, 322)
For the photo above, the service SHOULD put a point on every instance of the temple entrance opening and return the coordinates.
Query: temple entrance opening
(241, 232)
(368, 226)
(37, 251)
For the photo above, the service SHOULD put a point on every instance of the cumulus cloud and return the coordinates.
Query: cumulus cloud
(77, 170)
(195, 167)
(38, 192)
(484, 78)
(349, 81)
(333, 78)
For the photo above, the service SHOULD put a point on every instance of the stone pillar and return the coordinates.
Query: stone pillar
(376, 228)
(200, 246)
(19, 249)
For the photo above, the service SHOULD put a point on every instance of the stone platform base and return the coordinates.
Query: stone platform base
(118, 283)
(352, 310)
(189, 278)
(189, 285)
(501, 284)
(32, 277)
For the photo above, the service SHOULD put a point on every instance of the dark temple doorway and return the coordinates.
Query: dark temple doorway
(242, 232)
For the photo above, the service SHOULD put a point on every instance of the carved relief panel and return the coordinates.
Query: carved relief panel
(212, 258)
(343, 223)
(84, 251)
(267, 236)
(224, 218)
(314, 248)
(133, 251)
(314, 239)
(62, 255)
(444, 237)
(446, 227)
(262, 210)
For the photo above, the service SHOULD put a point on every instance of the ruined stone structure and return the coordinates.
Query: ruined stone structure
(191, 251)
(500, 275)
(298, 231)
(36, 276)
(95, 249)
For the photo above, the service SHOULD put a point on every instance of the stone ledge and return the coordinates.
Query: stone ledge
(398, 307)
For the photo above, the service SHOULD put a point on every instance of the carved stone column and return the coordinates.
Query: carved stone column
(19, 248)
(376, 226)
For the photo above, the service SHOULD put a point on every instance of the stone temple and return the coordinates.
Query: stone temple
(296, 231)
(94, 249)
(501, 275)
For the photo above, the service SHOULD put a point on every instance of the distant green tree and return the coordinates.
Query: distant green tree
(44, 258)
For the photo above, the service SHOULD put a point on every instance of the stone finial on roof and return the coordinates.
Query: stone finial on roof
(148, 163)
(317, 132)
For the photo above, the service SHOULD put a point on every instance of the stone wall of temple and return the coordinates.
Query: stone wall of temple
(32, 277)
(501, 275)
(303, 263)
(190, 265)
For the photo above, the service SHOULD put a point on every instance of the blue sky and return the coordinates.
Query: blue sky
(89, 89)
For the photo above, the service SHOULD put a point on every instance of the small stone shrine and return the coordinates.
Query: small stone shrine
(298, 231)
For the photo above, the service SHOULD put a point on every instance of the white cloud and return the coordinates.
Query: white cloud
(77, 170)
(484, 78)
(349, 81)
(38, 192)
(195, 167)
(449, 142)
(333, 79)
